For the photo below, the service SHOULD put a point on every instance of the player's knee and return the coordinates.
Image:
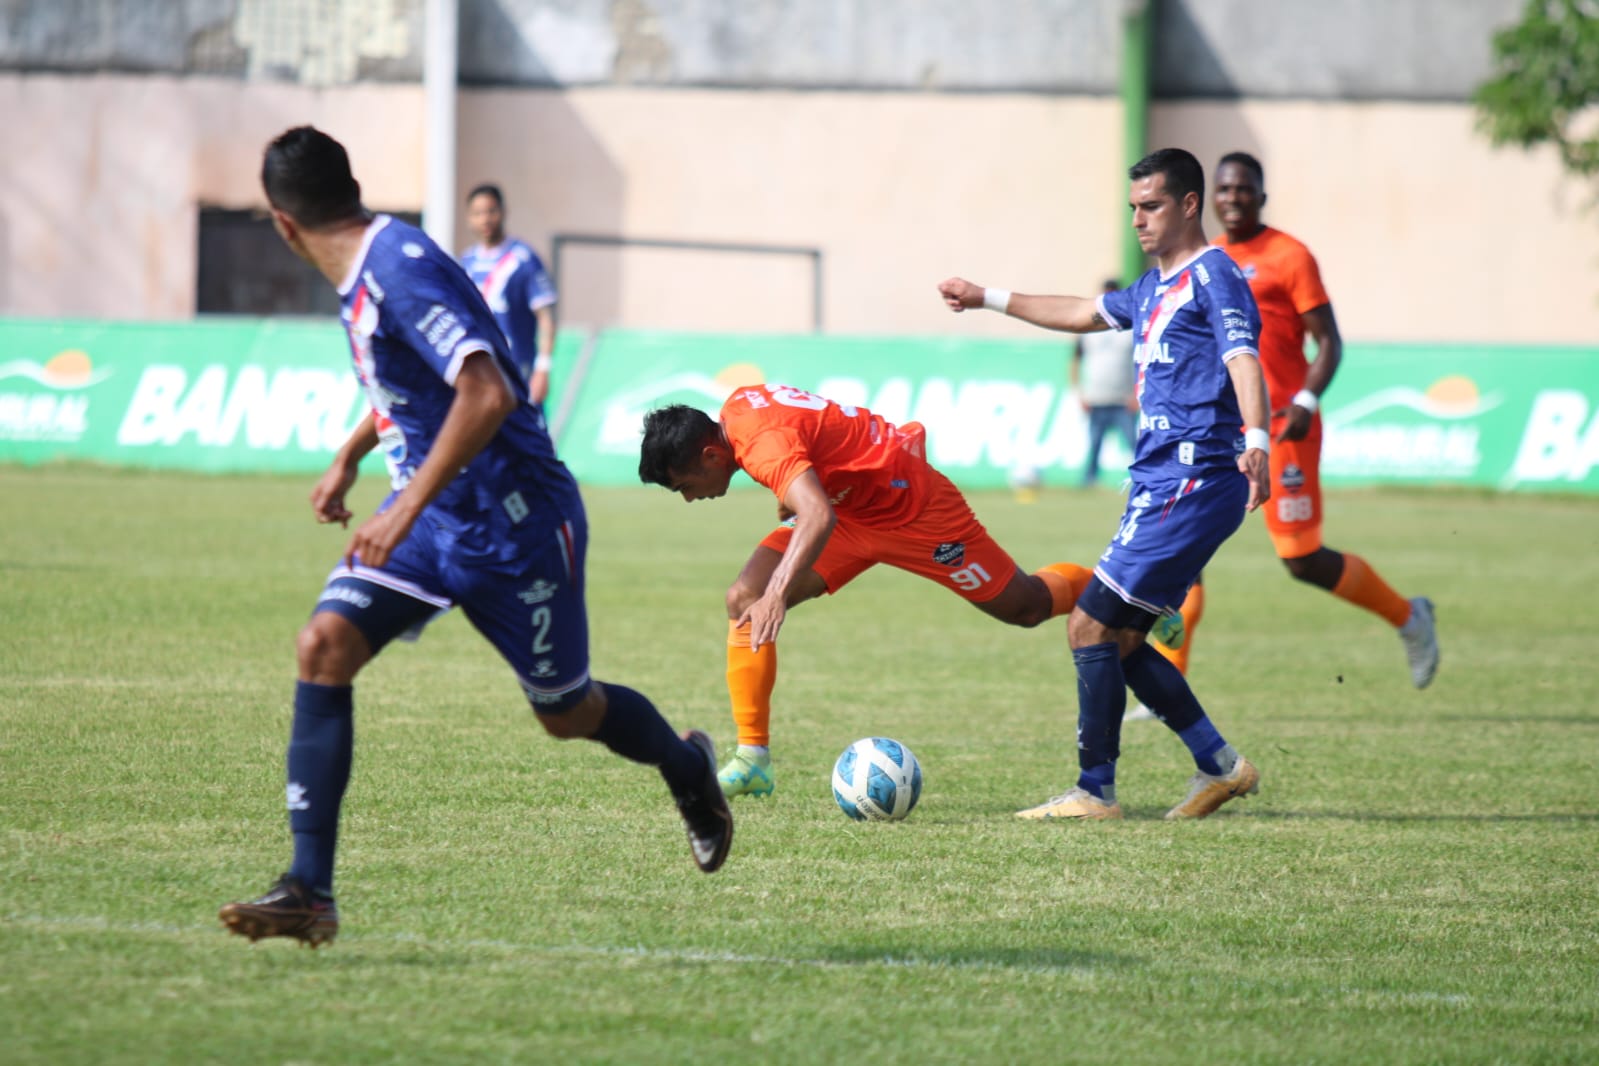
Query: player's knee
(1306, 568)
(329, 650)
(572, 715)
(739, 598)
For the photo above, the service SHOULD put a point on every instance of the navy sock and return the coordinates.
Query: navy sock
(635, 730)
(1101, 701)
(321, 743)
(1206, 744)
(1162, 688)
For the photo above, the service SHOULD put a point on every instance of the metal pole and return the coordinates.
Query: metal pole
(440, 36)
(1136, 37)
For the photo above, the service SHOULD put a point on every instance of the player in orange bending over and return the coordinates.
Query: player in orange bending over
(1287, 286)
(860, 492)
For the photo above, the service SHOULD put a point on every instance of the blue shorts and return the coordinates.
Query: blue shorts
(1167, 535)
(530, 607)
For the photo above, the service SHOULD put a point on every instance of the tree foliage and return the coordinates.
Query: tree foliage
(1546, 84)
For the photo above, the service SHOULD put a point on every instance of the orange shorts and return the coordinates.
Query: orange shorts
(944, 543)
(1293, 514)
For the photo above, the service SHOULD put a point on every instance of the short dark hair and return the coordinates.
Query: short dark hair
(306, 175)
(487, 188)
(673, 439)
(1182, 171)
(1244, 159)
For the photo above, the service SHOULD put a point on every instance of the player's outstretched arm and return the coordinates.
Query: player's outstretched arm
(1070, 314)
(327, 496)
(482, 402)
(1250, 386)
(814, 520)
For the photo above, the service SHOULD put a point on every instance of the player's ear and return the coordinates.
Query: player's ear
(1191, 205)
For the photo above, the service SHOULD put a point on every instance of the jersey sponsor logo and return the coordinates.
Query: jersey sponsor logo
(1293, 477)
(442, 329)
(754, 397)
(836, 500)
(1144, 354)
(950, 554)
(1204, 275)
(372, 286)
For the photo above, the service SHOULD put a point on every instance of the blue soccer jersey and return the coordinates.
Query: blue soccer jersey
(413, 317)
(515, 284)
(1186, 328)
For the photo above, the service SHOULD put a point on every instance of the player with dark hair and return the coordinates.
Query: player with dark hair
(482, 515)
(518, 289)
(860, 492)
(1286, 282)
(1194, 476)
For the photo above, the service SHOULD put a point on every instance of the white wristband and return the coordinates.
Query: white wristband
(1257, 438)
(1306, 399)
(543, 363)
(997, 300)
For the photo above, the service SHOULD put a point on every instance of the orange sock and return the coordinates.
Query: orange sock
(751, 676)
(1192, 610)
(1066, 582)
(1361, 586)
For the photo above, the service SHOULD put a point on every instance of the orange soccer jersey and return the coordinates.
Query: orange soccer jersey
(1286, 282)
(873, 472)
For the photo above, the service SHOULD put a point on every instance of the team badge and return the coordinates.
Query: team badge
(950, 554)
(1293, 477)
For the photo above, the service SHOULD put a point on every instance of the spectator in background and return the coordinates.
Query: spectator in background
(1102, 374)
(513, 280)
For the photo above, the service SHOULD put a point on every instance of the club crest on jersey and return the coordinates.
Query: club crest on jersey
(1293, 477)
(953, 554)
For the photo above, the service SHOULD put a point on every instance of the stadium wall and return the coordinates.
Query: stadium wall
(273, 395)
(894, 190)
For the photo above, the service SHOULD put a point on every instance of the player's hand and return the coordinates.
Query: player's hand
(960, 294)
(765, 617)
(1297, 425)
(327, 496)
(1257, 468)
(376, 538)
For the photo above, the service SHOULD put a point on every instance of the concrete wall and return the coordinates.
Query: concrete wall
(1348, 49)
(1423, 231)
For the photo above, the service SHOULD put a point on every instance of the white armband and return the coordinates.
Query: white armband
(997, 300)
(1255, 437)
(1306, 399)
(543, 363)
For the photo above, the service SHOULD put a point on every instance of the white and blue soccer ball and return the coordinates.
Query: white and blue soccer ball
(877, 779)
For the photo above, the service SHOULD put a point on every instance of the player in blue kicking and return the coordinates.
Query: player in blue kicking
(482, 515)
(1194, 475)
(514, 283)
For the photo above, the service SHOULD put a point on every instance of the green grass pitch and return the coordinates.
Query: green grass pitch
(1417, 882)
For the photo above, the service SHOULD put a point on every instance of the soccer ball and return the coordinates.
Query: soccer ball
(877, 779)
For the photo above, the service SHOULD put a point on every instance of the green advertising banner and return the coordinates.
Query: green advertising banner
(279, 395)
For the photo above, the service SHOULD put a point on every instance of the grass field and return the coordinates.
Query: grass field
(1418, 881)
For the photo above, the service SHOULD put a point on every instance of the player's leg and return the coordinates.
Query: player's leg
(535, 616)
(1294, 521)
(1098, 424)
(357, 615)
(752, 674)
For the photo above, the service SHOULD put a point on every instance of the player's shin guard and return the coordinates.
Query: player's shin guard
(1066, 582)
(635, 730)
(321, 744)
(751, 677)
(1101, 701)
